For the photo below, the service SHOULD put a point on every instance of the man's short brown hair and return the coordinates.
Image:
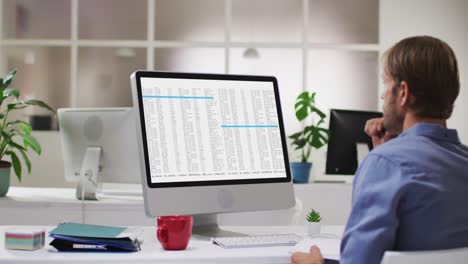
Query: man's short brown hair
(429, 66)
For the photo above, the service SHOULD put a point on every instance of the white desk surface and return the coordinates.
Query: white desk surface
(151, 251)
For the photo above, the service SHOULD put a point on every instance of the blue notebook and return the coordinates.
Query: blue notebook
(83, 237)
(84, 230)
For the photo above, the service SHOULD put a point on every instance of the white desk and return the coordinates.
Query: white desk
(151, 251)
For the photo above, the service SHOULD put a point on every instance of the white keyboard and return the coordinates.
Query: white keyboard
(257, 241)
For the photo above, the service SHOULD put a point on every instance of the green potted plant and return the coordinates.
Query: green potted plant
(15, 135)
(312, 136)
(313, 222)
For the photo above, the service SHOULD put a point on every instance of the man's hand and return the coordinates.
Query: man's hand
(314, 257)
(376, 130)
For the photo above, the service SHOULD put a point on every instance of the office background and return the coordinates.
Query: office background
(79, 53)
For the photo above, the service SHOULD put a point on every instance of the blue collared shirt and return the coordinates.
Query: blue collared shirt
(409, 194)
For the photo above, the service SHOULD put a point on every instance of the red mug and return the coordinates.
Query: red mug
(174, 231)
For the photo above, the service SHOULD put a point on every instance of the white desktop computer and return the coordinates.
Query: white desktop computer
(98, 145)
(210, 144)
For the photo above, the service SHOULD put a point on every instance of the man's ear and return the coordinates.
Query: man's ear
(404, 96)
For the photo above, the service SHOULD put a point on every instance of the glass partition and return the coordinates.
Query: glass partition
(112, 19)
(32, 19)
(104, 76)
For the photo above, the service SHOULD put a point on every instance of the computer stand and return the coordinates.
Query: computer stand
(205, 226)
(88, 184)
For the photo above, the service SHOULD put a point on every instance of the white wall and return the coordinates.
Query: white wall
(445, 19)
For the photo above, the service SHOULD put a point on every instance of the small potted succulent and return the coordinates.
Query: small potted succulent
(15, 135)
(312, 136)
(313, 222)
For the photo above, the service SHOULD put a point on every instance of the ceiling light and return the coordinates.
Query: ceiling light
(251, 53)
(126, 52)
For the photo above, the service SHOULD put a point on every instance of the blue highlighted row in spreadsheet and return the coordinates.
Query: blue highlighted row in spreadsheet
(178, 97)
(249, 126)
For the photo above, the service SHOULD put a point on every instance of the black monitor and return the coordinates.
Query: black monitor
(346, 130)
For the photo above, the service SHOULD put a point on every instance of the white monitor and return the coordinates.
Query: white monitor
(210, 144)
(98, 145)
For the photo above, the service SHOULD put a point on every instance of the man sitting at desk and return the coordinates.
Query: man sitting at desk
(410, 193)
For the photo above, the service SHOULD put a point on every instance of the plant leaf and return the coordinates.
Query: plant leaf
(25, 127)
(320, 139)
(313, 96)
(22, 151)
(302, 105)
(8, 79)
(16, 164)
(8, 92)
(305, 105)
(15, 145)
(30, 141)
(12, 123)
(9, 76)
(300, 143)
(6, 136)
(316, 136)
(5, 140)
(301, 113)
(313, 216)
(316, 110)
(26, 159)
(16, 105)
(295, 135)
(40, 104)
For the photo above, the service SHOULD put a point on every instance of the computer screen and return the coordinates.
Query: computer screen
(211, 143)
(98, 145)
(346, 134)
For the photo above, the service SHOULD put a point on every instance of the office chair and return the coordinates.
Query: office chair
(452, 256)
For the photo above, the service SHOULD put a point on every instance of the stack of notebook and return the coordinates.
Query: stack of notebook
(82, 237)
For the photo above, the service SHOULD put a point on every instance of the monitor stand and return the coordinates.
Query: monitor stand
(88, 184)
(205, 226)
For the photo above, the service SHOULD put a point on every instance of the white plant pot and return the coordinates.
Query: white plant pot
(313, 228)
